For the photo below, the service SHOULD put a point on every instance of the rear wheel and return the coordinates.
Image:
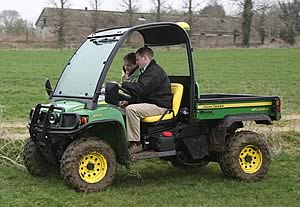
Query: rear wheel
(246, 156)
(36, 163)
(88, 165)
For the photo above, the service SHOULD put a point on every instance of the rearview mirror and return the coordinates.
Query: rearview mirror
(48, 87)
(111, 93)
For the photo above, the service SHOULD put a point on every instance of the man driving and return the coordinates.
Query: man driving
(152, 94)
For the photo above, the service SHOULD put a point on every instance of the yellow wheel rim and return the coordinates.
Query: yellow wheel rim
(250, 159)
(92, 167)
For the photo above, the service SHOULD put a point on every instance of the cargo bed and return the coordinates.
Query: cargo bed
(207, 98)
(217, 106)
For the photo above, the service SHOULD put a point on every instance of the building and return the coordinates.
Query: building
(77, 24)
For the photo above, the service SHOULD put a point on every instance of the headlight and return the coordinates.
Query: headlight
(53, 118)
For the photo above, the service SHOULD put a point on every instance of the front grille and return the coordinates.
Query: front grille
(69, 120)
(57, 119)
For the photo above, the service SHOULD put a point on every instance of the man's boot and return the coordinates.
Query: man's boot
(135, 147)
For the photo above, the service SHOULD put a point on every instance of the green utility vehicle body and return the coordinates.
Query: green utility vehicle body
(207, 108)
(82, 124)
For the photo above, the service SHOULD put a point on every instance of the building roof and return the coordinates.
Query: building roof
(82, 18)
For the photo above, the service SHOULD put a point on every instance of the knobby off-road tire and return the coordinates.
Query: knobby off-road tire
(88, 165)
(224, 169)
(36, 163)
(246, 156)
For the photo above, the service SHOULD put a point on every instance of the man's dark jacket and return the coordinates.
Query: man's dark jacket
(153, 87)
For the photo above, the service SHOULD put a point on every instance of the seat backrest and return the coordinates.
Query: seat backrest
(177, 91)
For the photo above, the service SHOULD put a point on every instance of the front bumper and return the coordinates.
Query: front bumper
(53, 137)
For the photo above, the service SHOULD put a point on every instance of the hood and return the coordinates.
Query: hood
(69, 106)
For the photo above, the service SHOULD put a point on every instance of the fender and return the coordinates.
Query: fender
(258, 118)
(217, 133)
(109, 130)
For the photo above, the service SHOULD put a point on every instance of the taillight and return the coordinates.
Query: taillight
(277, 105)
(167, 134)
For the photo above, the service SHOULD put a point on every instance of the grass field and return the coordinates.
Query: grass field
(255, 71)
(161, 185)
(252, 71)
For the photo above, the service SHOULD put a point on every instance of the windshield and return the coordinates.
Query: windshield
(81, 74)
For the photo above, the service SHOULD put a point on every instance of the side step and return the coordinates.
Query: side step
(152, 154)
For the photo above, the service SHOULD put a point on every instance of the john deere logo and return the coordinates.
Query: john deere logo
(97, 115)
(259, 109)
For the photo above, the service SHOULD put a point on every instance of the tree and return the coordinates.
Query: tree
(213, 9)
(190, 6)
(246, 16)
(131, 7)
(273, 21)
(247, 13)
(94, 21)
(262, 9)
(8, 17)
(12, 22)
(246, 22)
(290, 19)
(158, 8)
(61, 20)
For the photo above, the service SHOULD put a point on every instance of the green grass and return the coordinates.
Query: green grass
(252, 71)
(22, 79)
(162, 185)
(256, 71)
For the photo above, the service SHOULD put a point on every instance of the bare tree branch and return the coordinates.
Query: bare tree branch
(158, 4)
(60, 3)
(262, 8)
(290, 17)
(95, 18)
(191, 6)
(61, 19)
(131, 6)
(95, 4)
(13, 162)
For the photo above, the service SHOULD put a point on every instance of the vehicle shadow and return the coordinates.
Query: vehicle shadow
(158, 172)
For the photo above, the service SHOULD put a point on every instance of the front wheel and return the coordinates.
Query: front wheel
(246, 156)
(88, 165)
(36, 163)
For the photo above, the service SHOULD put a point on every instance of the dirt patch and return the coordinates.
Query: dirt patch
(287, 123)
(13, 130)
(291, 117)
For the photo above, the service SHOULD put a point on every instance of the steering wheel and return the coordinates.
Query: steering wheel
(124, 90)
(125, 93)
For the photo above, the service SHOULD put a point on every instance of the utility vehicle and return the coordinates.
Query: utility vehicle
(81, 133)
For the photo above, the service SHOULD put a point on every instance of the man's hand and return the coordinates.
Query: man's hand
(123, 104)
